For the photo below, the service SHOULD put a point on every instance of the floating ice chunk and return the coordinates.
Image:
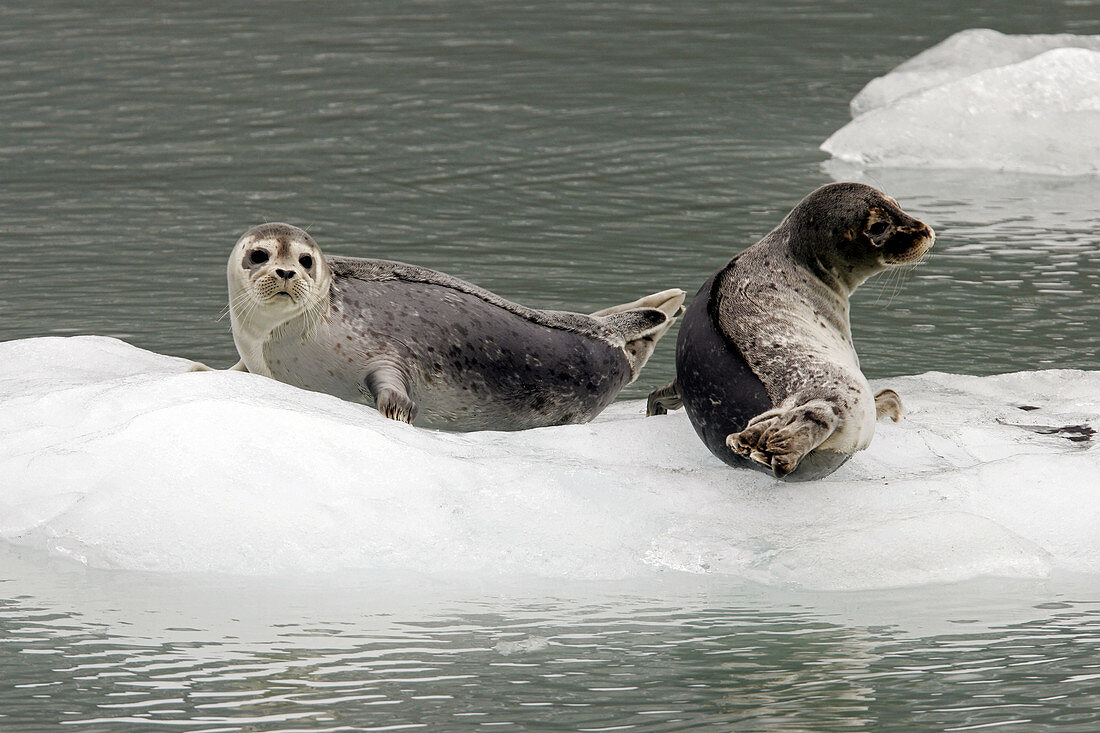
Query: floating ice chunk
(116, 457)
(1041, 115)
(963, 54)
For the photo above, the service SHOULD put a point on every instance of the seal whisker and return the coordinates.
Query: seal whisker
(237, 301)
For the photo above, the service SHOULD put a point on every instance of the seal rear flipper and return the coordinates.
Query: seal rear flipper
(663, 399)
(888, 404)
(669, 301)
(388, 385)
(642, 322)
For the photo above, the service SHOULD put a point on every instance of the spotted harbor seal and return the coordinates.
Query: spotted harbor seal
(765, 364)
(424, 347)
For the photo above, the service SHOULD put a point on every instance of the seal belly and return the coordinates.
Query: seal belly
(476, 366)
(721, 393)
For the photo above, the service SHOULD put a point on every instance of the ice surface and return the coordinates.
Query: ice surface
(983, 100)
(963, 54)
(117, 457)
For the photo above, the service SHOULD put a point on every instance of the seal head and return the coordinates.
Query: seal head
(847, 232)
(276, 275)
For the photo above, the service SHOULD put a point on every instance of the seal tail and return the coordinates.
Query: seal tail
(642, 322)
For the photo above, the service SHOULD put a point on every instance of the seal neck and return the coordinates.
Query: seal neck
(823, 262)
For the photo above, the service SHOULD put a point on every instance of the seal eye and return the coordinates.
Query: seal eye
(305, 261)
(878, 228)
(258, 256)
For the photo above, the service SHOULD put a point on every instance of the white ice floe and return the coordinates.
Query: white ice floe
(982, 99)
(118, 457)
(961, 55)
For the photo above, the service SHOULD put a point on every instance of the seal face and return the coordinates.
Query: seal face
(765, 364)
(424, 347)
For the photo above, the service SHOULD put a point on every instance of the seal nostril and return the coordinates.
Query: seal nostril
(285, 274)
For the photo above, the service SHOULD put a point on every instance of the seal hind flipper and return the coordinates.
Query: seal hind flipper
(888, 404)
(388, 385)
(663, 399)
(642, 322)
(670, 301)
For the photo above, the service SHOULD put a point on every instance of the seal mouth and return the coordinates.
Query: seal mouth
(908, 245)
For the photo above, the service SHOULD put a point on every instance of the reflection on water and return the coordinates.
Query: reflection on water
(118, 651)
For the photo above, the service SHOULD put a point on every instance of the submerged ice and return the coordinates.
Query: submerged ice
(982, 99)
(117, 457)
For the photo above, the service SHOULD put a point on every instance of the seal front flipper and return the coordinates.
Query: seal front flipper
(198, 366)
(389, 387)
(780, 439)
(663, 399)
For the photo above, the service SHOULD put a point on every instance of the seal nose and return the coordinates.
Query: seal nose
(285, 274)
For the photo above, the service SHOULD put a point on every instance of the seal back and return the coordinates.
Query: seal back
(720, 391)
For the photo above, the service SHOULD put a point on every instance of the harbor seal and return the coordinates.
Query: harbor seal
(424, 347)
(765, 364)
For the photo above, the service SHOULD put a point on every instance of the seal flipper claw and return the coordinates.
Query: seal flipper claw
(780, 439)
(663, 399)
(387, 383)
(396, 406)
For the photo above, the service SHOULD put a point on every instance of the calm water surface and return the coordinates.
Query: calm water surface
(565, 155)
(121, 651)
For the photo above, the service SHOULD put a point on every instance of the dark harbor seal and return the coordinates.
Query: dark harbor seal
(765, 364)
(424, 347)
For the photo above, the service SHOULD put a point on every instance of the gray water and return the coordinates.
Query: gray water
(564, 155)
(104, 651)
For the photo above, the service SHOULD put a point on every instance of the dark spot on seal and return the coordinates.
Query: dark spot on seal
(1027, 408)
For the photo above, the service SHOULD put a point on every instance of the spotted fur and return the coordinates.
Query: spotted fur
(766, 366)
(428, 348)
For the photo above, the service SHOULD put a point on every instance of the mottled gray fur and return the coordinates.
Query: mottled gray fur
(425, 347)
(782, 305)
